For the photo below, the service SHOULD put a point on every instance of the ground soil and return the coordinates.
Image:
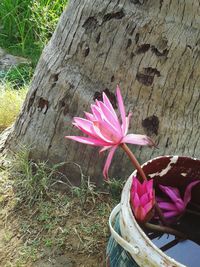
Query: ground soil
(59, 230)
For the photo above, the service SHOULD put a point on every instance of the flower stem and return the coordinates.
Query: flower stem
(142, 177)
(165, 229)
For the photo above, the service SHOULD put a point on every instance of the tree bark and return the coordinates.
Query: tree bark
(151, 48)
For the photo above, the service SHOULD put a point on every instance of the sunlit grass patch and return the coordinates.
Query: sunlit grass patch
(10, 104)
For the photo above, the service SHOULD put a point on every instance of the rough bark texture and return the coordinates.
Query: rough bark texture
(151, 48)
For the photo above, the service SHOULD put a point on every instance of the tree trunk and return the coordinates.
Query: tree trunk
(151, 48)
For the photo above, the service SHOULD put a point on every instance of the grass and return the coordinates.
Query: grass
(10, 104)
(16, 77)
(27, 25)
(40, 224)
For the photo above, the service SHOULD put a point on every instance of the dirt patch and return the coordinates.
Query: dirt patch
(61, 230)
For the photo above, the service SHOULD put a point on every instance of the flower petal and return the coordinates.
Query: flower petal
(121, 108)
(172, 192)
(168, 206)
(144, 199)
(149, 185)
(109, 105)
(104, 149)
(84, 125)
(108, 162)
(127, 123)
(97, 112)
(100, 135)
(169, 214)
(138, 139)
(109, 131)
(107, 115)
(89, 116)
(87, 140)
(135, 200)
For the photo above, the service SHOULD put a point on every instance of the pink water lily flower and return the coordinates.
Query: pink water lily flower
(176, 205)
(104, 128)
(142, 199)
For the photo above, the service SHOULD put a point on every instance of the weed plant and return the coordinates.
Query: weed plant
(10, 104)
(17, 77)
(32, 181)
(27, 25)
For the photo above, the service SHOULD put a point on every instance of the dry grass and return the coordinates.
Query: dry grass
(10, 104)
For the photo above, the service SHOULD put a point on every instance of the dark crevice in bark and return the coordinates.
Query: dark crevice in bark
(151, 125)
(114, 15)
(152, 71)
(137, 2)
(131, 28)
(129, 43)
(132, 55)
(98, 37)
(159, 53)
(43, 104)
(142, 48)
(161, 3)
(167, 143)
(147, 76)
(86, 51)
(90, 24)
(137, 37)
(31, 100)
(55, 77)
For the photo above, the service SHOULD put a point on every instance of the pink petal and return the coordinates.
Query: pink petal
(106, 128)
(104, 149)
(87, 140)
(109, 105)
(108, 161)
(173, 193)
(97, 112)
(140, 213)
(84, 125)
(121, 108)
(188, 192)
(168, 206)
(137, 139)
(140, 189)
(109, 131)
(148, 206)
(134, 184)
(101, 136)
(135, 201)
(169, 214)
(89, 116)
(149, 185)
(144, 200)
(127, 123)
(107, 114)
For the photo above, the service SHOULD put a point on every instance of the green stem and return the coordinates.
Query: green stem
(142, 177)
